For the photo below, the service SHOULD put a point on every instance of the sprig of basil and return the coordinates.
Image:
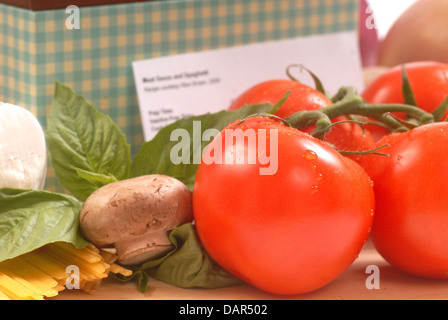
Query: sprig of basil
(30, 219)
(87, 149)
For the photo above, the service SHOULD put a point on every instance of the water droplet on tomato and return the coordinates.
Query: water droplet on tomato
(314, 189)
(399, 157)
(319, 176)
(310, 155)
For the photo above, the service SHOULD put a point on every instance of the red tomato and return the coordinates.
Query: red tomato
(302, 97)
(346, 136)
(293, 230)
(411, 221)
(428, 80)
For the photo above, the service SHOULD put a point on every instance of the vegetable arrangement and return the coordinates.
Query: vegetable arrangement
(284, 197)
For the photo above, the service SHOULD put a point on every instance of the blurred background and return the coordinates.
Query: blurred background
(404, 31)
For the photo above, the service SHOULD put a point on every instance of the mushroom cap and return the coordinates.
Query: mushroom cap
(129, 209)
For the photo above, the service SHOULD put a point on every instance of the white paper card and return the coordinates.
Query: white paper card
(195, 83)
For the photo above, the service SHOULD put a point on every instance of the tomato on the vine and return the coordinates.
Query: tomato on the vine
(288, 230)
(428, 80)
(344, 136)
(302, 97)
(411, 219)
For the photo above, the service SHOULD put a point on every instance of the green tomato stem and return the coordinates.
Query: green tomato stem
(348, 103)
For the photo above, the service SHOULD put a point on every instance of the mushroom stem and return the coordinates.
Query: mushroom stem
(148, 246)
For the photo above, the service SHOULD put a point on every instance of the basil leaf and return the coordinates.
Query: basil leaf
(96, 178)
(82, 140)
(188, 265)
(185, 139)
(30, 219)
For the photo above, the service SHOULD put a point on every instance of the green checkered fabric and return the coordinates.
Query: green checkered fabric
(36, 48)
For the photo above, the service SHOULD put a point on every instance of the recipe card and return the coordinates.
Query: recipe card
(183, 85)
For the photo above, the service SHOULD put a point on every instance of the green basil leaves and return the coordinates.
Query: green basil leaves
(30, 219)
(87, 149)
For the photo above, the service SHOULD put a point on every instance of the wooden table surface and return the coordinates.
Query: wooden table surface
(351, 285)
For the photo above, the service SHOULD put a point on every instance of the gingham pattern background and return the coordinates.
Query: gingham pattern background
(36, 49)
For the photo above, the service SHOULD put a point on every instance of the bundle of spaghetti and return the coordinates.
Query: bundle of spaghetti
(43, 273)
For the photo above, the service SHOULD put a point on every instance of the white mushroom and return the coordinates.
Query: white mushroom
(136, 215)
